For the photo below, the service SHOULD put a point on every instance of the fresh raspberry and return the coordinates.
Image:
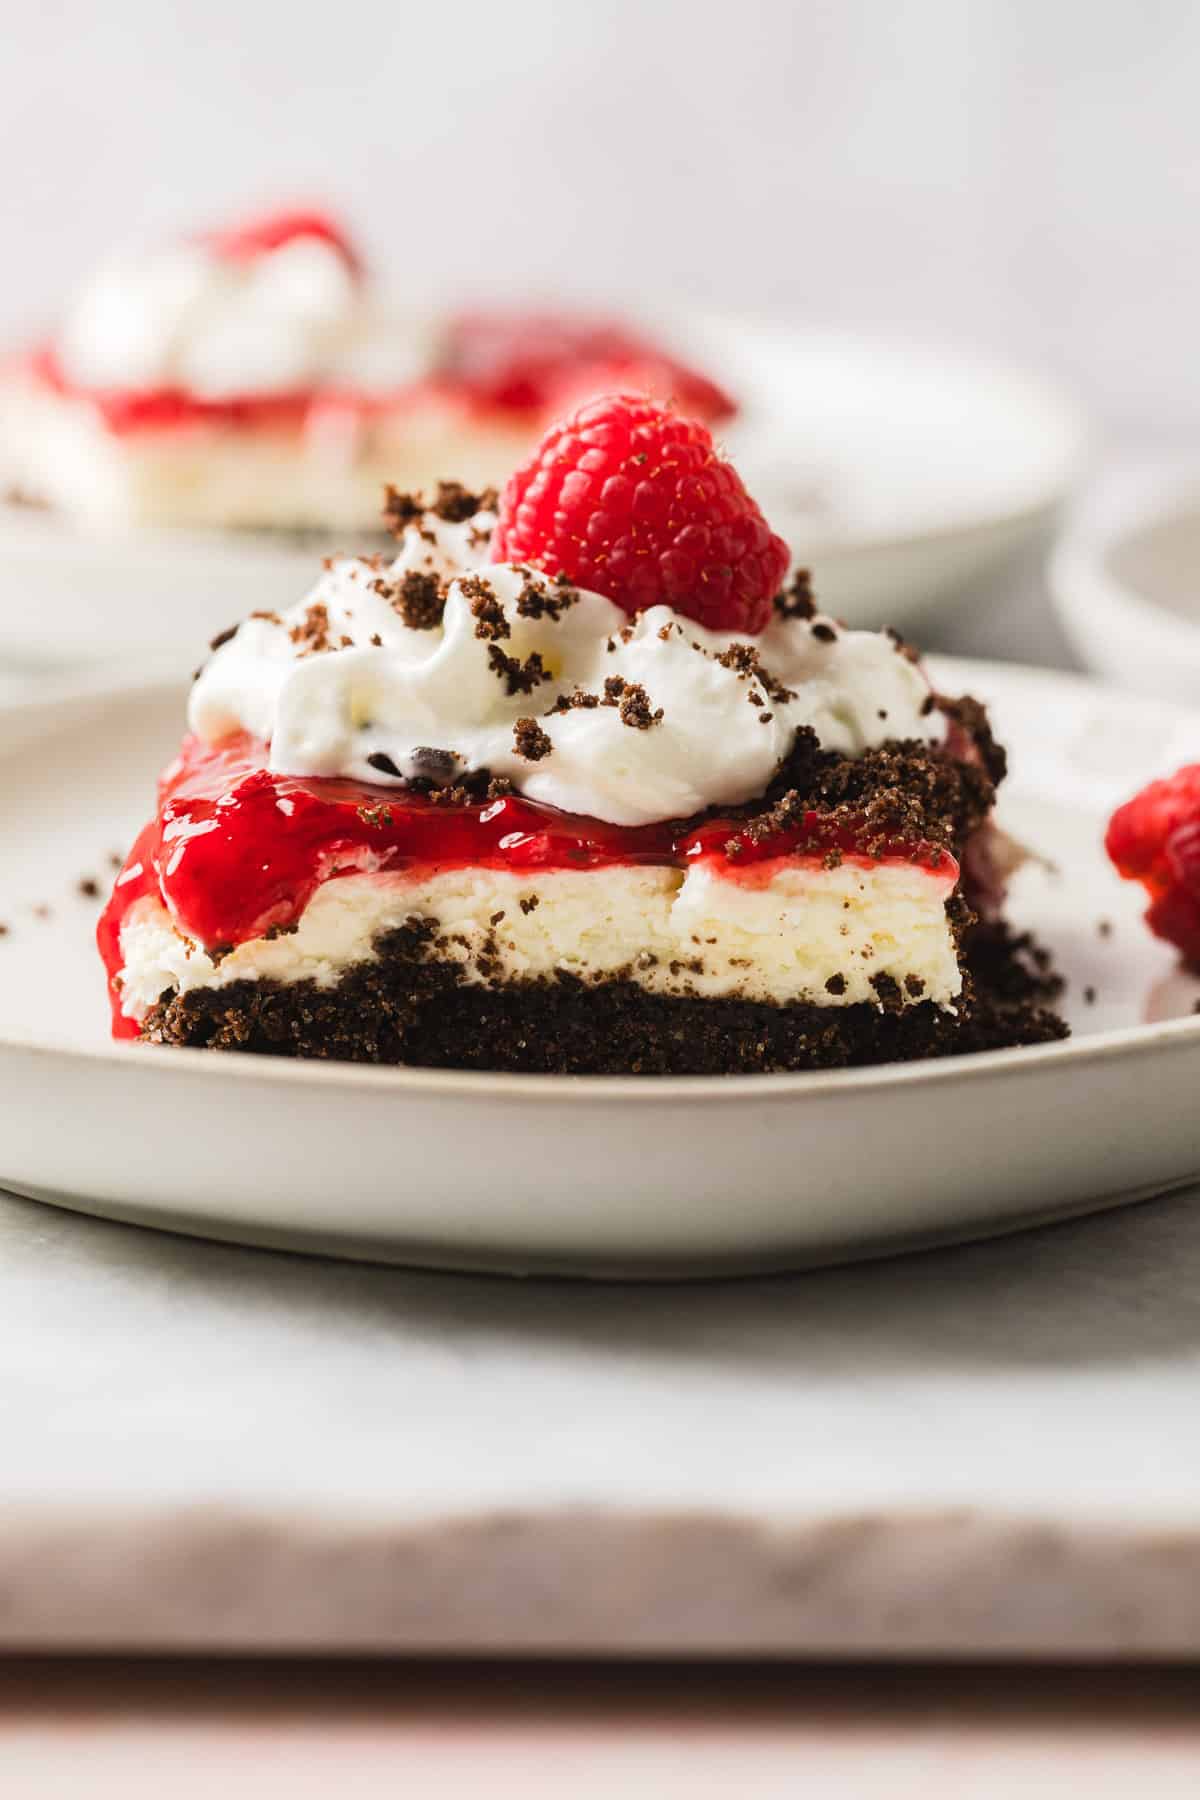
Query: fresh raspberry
(240, 243)
(634, 502)
(551, 363)
(1155, 839)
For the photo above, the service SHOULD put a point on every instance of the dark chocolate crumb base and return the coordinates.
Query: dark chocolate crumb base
(401, 1008)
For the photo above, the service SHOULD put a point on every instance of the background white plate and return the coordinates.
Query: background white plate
(900, 473)
(1125, 581)
(596, 1175)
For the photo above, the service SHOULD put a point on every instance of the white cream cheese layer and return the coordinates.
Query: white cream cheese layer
(695, 932)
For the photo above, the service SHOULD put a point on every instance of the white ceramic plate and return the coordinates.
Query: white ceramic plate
(901, 474)
(1126, 583)
(594, 1175)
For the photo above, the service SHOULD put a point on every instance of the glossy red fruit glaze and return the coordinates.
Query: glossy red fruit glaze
(548, 363)
(235, 851)
(1155, 839)
(258, 237)
(633, 501)
(129, 410)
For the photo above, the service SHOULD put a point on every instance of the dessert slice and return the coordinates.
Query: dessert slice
(253, 377)
(572, 785)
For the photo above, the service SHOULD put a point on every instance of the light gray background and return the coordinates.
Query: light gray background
(1018, 174)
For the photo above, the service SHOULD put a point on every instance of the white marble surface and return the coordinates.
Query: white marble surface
(991, 1449)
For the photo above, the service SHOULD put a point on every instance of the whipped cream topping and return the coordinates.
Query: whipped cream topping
(656, 718)
(186, 316)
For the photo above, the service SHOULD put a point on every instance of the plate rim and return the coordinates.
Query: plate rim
(790, 1086)
(1083, 586)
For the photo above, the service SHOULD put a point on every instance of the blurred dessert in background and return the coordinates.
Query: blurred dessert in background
(256, 377)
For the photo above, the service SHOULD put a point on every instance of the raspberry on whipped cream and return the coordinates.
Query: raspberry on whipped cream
(254, 376)
(455, 811)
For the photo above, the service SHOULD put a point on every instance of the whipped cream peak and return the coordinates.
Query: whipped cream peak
(441, 661)
(219, 324)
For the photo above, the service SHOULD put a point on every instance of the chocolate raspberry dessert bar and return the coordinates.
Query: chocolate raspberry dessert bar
(579, 780)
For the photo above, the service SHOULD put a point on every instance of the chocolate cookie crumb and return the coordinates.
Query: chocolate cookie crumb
(518, 677)
(747, 664)
(836, 984)
(914, 986)
(970, 716)
(89, 887)
(530, 741)
(400, 510)
(418, 598)
(796, 600)
(635, 709)
(530, 903)
(537, 601)
(430, 764)
(496, 917)
(887, 990)
(579, 701)
(900, 792)
(311, 635)
(486, 610)
(902, 647)
(454, 504)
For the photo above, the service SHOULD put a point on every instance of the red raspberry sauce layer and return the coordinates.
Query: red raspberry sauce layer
(127, 412)
(236, 851)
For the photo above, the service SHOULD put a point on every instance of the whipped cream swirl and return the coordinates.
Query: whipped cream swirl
(638, 720)
(186, 316)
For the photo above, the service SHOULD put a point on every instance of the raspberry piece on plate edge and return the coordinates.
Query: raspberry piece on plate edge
(1155, 839)
(632, 500)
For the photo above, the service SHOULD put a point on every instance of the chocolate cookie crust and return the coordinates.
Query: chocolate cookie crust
(404, 1009)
